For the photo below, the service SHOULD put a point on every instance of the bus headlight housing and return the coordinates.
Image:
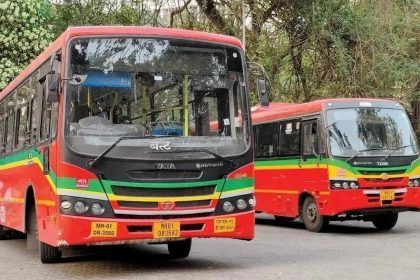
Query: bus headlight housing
(343, 184)
(414, 183)
(235, 204)
(77, 206)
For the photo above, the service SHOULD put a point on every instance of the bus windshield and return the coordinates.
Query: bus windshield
(165, 93)
(370, 132)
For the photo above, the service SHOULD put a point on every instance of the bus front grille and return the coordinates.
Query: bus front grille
(164, 174)
(163, 192)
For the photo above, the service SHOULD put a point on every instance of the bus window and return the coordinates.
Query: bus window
(22, 126)
(309, 137)
(267, 140)
(46, 116)
(290, 138)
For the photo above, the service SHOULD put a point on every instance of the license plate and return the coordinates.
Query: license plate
(101, 229)
(166, 230)
(224, 225)
(387, 195)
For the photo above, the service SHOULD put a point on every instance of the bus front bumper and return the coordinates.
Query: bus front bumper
(77, 230)
(336, 202)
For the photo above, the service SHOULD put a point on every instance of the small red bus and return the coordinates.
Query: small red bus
(105, 139)
(336, 159)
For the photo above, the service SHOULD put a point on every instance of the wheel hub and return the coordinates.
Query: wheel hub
(312, 212)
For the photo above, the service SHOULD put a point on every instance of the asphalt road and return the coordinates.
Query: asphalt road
(350, 250)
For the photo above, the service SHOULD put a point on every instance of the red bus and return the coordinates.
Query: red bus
(105, 139)
(336, 159)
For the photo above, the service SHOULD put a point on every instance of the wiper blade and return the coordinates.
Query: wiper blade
(92, 162)
(231, 163)
(365, 150)
(395, 149)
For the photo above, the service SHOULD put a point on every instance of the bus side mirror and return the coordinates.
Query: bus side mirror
(52, 87)
(262, 92)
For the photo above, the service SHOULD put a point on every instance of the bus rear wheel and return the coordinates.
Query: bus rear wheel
(385, 221)
(311, 218)
(179, 249)
(48, 253)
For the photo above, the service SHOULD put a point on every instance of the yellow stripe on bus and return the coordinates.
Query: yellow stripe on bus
(46, 202)
(12, 199)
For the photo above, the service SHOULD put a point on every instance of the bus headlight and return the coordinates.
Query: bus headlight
(353, 185)
(80, 207)
(345, 185)
(416, 183)
(97, 209)
(65, 204)
(228, 206)
(336, 186)
(241, 204)
(251, 202)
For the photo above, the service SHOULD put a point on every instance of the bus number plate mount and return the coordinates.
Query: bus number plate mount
(166, 229)
(103, 229)
(387, 195)
(224, 225)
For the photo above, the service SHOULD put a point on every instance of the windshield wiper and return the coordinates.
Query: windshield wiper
(365, 150)
(91, 163)
(395, 149)
(231, 163)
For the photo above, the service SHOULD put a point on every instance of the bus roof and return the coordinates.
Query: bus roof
(280, 110)
(115, 31)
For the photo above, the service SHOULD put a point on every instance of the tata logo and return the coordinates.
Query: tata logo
(384, 176)
(165, 166)
(160, 147)
(166, 205)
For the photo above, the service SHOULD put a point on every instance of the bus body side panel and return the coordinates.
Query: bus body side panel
(278, 184)
(14, 180)
(20, 172)
(46, 198)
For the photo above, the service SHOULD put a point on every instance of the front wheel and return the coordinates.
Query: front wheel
(311, 218)
(48, 253)
(385, 221)
(179, 249)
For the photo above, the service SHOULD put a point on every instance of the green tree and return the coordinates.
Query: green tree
(24, 34)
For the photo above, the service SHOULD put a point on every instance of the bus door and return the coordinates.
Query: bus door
(314, 172)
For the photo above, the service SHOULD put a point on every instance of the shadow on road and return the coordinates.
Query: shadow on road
(138, 258)
(334, 227)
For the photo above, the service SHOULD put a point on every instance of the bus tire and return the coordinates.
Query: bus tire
(179, 249)
(4, 234)
(311, 218)
(385, 221)
(283, 219)
(48, 253)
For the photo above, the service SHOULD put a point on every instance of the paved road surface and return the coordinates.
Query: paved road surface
(351, 250)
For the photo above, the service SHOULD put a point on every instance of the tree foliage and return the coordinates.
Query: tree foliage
(24, 33)
(310, 49)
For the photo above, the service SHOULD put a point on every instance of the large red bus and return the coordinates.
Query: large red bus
(105, 139)
(336, 159)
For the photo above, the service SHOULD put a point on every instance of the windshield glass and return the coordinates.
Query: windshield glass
(376, 130)
(190, 92)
